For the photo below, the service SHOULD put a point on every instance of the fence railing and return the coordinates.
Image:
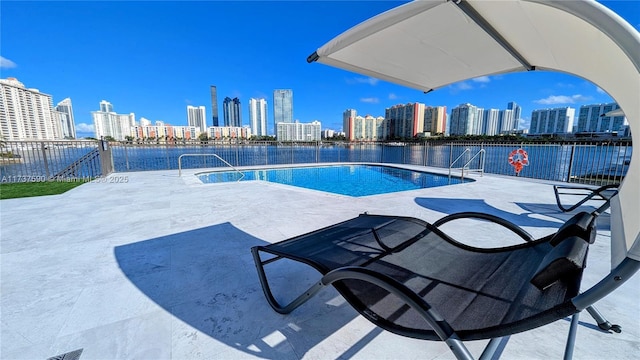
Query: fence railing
(597, 163)
(33, 161)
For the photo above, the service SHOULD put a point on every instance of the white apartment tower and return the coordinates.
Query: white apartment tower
(348, 121)
(552, 121)
(491, 123)
(463, 120)
(507, 121)
(435, 119)
(108, 123)
(258, 116)
(405, 120)
(196, 116)
(591, 118)
(26, 114)
(67, 123)
(299, 132)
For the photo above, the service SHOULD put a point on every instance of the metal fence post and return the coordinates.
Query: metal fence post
(106, 158)
(569, 171)
(44, 157)
(126, 156)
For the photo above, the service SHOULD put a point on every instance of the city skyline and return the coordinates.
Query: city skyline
(136, 80)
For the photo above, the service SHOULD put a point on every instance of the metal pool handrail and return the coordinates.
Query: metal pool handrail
(481, 169)
(214, 155)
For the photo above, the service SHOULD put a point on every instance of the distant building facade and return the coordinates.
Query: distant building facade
(229, 132)
(435, 120)
(464, 120)
(368, 128)
(67, 123)
(214, 106)
(591, 119)
(27, 114)
(197, 116)
(299, 132)
(491, 122)
(258, 116)
(282, 106)
(552, 121)
(162, 131)
(348, 121)
(107, 123)
(232, 112)
(517, 115)
(405, 120)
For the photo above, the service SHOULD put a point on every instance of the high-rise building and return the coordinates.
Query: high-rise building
(229, 132)
(405, 120)
(435, 119)
(507, 121)
(27, 114)
(106, 106)
(591, 118)
(66, 119)
(517, 114)
(491, 122)
(299, 132)
(463, 119)
(258, 116)
(232, 112)
(107, 123)
(552, 121)
(197, 116)
(214, 106)
(282, 106)
(478, 122)
(348, 119)
(368, 128)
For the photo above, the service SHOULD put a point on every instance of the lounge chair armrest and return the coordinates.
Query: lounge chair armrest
(495, 219)
(565, 260)
(605, 192)
(442, 328)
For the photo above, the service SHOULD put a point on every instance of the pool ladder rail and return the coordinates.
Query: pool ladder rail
(214, 155)
(464, 167)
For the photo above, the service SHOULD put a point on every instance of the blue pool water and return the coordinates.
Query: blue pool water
(350, 180)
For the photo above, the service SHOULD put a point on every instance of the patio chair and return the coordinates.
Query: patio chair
(603, 193)
(408, 277)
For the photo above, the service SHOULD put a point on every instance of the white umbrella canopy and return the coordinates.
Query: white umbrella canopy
(429, 44)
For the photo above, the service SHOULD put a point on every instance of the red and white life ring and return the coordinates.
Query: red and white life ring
(518, 159)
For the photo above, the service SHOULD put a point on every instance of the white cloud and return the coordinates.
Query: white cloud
(6, 63)
(463, 85)
(363, 80)
(482, 79)
(600, 91)
(562, 99)
(371, 100)
(392, 96)
(83, 127)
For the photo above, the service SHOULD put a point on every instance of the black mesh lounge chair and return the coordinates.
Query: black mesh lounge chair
(397, 272)
(603, 193)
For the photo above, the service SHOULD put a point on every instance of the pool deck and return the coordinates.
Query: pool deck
(150, 265)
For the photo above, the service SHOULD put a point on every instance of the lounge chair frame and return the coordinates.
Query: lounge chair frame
(603, 193)
(445, 332)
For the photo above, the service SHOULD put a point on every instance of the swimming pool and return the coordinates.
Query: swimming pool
(350, 180)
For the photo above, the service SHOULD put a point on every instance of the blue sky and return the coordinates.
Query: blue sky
(155, 58)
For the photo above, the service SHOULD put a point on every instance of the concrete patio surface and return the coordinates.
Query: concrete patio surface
(150, 265)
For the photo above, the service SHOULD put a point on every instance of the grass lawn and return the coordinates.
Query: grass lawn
(28, 189)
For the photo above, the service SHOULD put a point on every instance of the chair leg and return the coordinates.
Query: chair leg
(494, 348)
(571, 339)
(602, 322)
(267, 289)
